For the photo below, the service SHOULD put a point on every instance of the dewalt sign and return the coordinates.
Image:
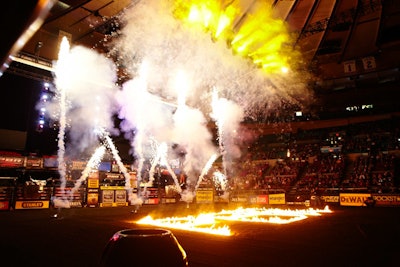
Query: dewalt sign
(353, 199)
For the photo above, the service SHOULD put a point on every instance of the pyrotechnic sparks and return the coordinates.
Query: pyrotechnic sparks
(215, 222)
(206, 169)
(61, 81)
(220, 180)
(92, 164)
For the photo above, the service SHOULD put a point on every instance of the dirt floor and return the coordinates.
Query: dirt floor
(350, 236)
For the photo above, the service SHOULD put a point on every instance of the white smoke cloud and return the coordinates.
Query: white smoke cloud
(153, 35)
(228, 117)
(155, 48)
(191, 132)
(89, 82)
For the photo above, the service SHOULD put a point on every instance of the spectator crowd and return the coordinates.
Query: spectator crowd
(359, 157)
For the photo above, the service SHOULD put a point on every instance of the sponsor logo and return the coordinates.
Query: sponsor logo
(151, 201)
(29, 205)
(239, 199)
(277, 199)
(11, 161)
(353, 199)
(262, 199)
(330, 198)
(75, 204)
(32, 204)
(387, 199)
(204, 196)
(347, 199)
(3, 205)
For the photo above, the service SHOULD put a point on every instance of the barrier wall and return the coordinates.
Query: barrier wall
(76, 197)
(7, 192)
(37, 197)
(113, 196)
(32, 197)
(5, 202)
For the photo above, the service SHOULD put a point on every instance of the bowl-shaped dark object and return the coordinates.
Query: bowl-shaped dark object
(152, 247)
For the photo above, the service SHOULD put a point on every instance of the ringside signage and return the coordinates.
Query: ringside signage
(386, 200)
(32, 204)
(278, 199)
(353, 199)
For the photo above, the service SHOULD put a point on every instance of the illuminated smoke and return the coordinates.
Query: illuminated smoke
(175, 56)
(172, 38)
(179, 53)
(85, 83)
(85, 91)
(227, 116)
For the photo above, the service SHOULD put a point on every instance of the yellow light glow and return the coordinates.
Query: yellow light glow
(251, 32)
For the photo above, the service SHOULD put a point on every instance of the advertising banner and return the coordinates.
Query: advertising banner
(239, 198)
(120, 197)
(75, 197)
(11, 162)
(133, 179)
(78, 165)
(151, 195)
(32, 204)
(4, 205)
(5, 195)
(113, 196)
(258, 199)
(151, 201)
(204, 196)
(92, 197)
(277, 199)
(330, 199)
(353, 199)
(93, 183)
(34, 163)
(168, 200)
(386, 200)
(50, 161)
(222, 198)
(71, 204)
(107, 198)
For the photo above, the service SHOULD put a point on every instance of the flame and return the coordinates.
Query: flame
(204, 223)
(215, 222)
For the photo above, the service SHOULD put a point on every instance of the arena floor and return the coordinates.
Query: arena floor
(351, 236)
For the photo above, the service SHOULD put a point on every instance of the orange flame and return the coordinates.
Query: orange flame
(213, 222)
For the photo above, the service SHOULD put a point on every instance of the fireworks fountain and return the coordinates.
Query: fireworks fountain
(62, 83)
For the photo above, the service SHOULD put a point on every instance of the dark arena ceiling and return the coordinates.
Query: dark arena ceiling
(352, 46)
